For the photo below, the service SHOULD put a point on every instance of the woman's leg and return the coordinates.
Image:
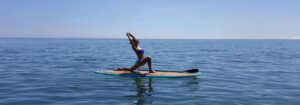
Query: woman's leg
(148, 60)
(134, 67)
(137, 65)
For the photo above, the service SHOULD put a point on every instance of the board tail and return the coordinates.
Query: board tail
(189, 71)
(192, 71)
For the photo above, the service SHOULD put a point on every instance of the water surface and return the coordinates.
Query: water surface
(234, 72)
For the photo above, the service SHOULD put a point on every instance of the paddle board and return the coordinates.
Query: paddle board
(158, 73)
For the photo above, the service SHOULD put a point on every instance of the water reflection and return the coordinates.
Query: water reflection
(144, 94)
(144, 89)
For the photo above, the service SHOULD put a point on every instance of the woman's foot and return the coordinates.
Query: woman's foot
(151, 71)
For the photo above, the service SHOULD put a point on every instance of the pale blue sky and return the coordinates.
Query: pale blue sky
(150, 18)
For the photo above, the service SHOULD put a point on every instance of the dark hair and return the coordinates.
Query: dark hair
(136, 41)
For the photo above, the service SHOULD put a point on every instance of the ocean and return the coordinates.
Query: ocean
(41, 71)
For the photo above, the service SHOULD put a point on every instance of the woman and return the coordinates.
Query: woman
(140, 54)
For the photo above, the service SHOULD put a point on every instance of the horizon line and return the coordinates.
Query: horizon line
(146, 38)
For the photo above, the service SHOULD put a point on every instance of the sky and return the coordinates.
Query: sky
(167, 19)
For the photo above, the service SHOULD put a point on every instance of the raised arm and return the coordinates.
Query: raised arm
(131, 41)
(132, 36)
(128, 35)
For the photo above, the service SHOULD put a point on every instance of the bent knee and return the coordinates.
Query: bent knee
(148, 58)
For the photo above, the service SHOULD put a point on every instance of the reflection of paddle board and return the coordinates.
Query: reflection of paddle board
(145, 73)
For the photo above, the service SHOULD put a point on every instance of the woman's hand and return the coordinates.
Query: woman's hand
(128, 34)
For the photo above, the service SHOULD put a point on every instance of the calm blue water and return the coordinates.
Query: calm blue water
(234, 72)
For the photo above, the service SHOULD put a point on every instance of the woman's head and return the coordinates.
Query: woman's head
(135, 41)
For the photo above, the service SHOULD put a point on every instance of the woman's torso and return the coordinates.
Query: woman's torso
(140, 53)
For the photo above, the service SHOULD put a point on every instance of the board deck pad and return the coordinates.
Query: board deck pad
(145, 73)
